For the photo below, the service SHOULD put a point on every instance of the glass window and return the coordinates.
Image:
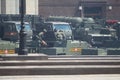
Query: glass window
(61, 26)
(27, 27)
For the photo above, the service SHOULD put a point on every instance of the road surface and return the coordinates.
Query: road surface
(64, 77)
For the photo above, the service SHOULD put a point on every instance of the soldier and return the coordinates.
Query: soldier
(60, 35)
(41, 35)
(61, 38)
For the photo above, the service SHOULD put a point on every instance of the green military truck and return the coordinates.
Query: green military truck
(80, 26)
(9, 36)
(77, 37)
(56, 45)
(103, 40)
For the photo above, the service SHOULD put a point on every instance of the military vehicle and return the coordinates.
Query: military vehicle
(103, 40)
(72, 43)
(59, 38)
(9, 35)
(83, 27)
(10, 29)
(80, 26)
(98, 40)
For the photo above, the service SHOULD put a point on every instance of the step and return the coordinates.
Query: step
(30, 56)
(59, 70)
(59, 62)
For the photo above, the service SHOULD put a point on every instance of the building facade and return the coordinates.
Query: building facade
(12, 7)
(108, 9)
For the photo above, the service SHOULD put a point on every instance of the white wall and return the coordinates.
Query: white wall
(12, 6)
(32, 7)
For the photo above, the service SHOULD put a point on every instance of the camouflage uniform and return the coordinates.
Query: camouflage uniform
(60, 36)
(41, 36)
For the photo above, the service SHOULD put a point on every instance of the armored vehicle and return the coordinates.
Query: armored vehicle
(80, 26)
(65, 35)
(9, 35)
(103, 40)
(57, 45)
(98, 40)
(10, 30)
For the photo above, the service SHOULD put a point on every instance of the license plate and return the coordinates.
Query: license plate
(75, 49)
(7, 51)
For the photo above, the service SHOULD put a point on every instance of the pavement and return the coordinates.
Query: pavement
(31, 67)
(31, 56)
(63, 77)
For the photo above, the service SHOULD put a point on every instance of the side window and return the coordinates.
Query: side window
(10, 27)
(38, 27)
(48, 27)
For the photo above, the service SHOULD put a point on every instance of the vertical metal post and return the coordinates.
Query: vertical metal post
(81, 11)
(22, 44)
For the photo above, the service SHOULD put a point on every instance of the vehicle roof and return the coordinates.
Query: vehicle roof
(57, 22)
(16, 22)
(98, 35)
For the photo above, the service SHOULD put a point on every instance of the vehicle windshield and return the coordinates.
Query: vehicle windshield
(61, 26)
(27, 27)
